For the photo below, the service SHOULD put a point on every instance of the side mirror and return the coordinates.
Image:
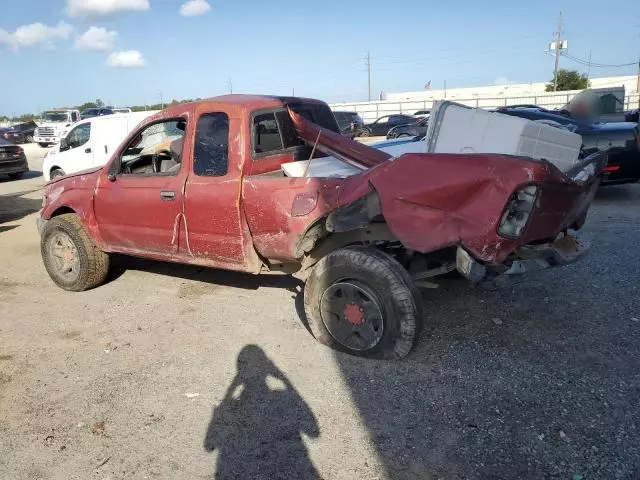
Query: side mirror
(64, 144)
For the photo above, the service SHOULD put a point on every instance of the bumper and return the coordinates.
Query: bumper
(14, 166)
(40, 223)
(50, 140)
(528, 258)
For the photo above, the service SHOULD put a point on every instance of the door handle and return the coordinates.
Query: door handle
(87, 150)
(167, 195)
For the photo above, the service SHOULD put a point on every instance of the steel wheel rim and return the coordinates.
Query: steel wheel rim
(63, 255)
(352, 315)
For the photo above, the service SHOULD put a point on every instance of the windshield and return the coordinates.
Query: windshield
(54, 117)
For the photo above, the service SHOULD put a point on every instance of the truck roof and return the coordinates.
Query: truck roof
(243, 101)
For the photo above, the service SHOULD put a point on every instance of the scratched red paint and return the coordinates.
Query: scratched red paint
(239, 220)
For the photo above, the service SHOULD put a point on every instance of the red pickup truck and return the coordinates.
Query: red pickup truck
(202, 183)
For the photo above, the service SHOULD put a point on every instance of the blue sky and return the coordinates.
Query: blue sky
(316, 48)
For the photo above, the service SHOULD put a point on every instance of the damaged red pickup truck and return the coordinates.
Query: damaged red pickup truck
(202, 183)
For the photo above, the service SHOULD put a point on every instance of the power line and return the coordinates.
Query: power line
(596, 64)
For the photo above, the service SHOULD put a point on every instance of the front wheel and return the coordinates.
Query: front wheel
(362, 301)
(55, 173)
(28, 139)
(70, 257)
(365, 132)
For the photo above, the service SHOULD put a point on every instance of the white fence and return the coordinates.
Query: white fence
(370, 111)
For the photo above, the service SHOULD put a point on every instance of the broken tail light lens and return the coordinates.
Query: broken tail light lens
(516, 215)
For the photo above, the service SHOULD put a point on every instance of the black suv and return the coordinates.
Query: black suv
(95, 112)
(19, 133)
(349, 122)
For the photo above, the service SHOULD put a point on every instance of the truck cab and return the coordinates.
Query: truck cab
(206, 183)
(53, 125)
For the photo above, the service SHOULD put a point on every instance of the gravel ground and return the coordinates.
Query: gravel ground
(175, 372)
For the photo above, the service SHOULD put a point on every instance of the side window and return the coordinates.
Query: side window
(211, 146)
(155, 150)
(382, 120)
(266, 136)
(74, 116)
(79, 135)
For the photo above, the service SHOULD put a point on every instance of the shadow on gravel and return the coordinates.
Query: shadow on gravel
(616, 193)
(25, 176)
(122, 263)
(257, 428)
(14, 206)
(535, 379)
(6, 228)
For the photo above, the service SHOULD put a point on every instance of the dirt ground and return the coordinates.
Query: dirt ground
(175, 372)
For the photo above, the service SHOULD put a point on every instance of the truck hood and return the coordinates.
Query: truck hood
(89, 172)
(55, 125)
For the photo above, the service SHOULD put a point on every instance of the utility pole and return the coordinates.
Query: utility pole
(558, 49)
(367, 62)
(230, 83)
(589, 66)
(161, 102)
(445, 89)
(638, 83)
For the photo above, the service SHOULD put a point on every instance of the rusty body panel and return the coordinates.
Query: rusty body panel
(255, 215)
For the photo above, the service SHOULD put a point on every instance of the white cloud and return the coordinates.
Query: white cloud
(126, 59)
(501, 81)
(96, 38)
(94, 8)
(192, 8)
(36, 34)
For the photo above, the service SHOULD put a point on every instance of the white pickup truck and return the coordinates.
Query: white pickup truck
(53, 126)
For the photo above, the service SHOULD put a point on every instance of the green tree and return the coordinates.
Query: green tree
(99, 103)
(569, 80)
(86, 105)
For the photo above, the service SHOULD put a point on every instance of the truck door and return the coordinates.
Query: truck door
(218, 235)
(138, 205)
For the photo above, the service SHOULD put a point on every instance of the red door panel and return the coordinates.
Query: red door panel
(137, 213)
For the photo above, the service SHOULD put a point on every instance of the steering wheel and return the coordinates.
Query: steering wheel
(156, 160)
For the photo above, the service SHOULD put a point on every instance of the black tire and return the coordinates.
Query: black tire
(365, 132)
(43, 145)
(56, 172)
(16, 176)
(28, 139)
(391, 288)
(92, 264)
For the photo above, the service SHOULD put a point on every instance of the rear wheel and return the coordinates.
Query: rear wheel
(362, 301)
(29, 138)
(72, 260)
(16, 176)
(365, 132)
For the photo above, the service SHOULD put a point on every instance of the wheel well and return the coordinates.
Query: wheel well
(62, 211)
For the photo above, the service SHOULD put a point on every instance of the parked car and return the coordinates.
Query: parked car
(382, 125)
(349, 122)
(19, 133)
(620, 140)
(89, 143)
(415, 129)
(95, 112)
(218, 197)
(121, 110)
(54, 124)
(13, 161)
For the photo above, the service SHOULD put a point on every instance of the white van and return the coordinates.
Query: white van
(90, 143)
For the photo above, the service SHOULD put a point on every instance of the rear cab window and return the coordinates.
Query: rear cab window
(273, 132)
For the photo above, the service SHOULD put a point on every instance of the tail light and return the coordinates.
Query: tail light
(516, 215)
